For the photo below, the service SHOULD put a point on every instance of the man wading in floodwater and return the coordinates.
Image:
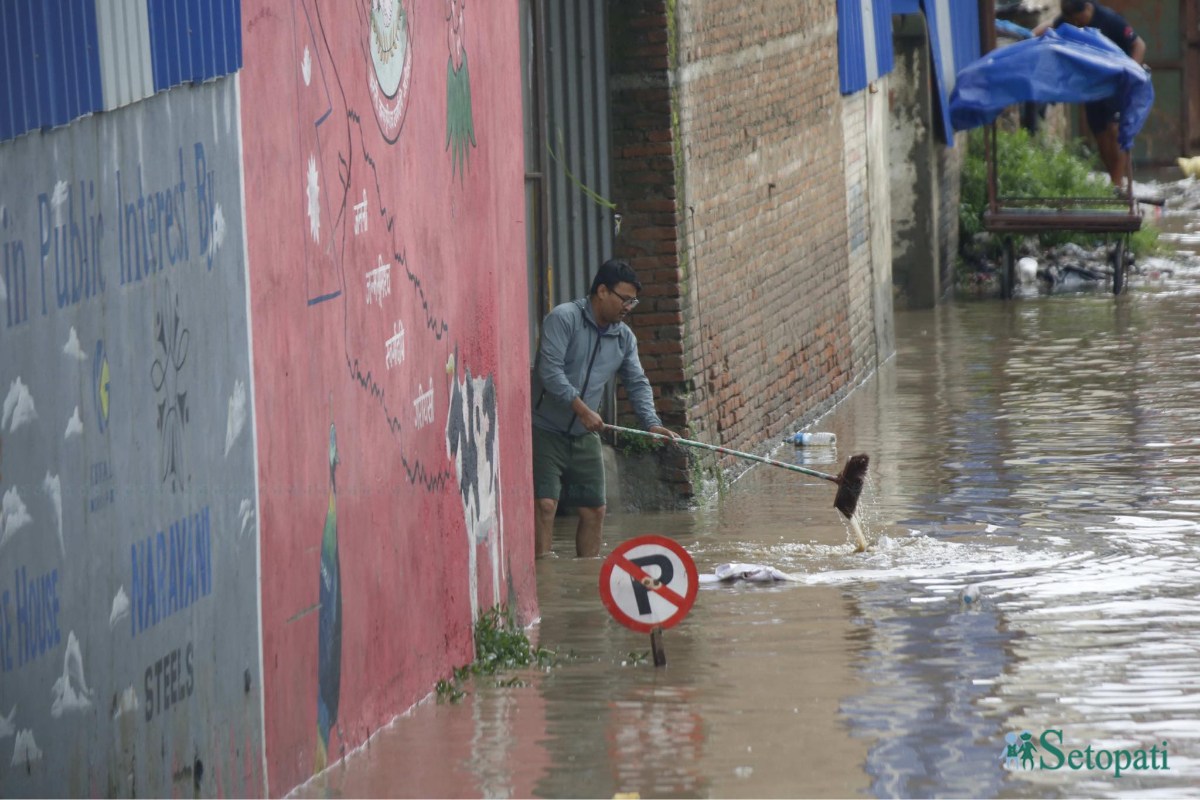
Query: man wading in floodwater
(584, 343)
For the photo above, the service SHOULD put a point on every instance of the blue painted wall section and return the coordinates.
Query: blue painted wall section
(129, 632)
(50, 54)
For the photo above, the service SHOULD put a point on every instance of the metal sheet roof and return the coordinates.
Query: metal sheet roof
(61, 59)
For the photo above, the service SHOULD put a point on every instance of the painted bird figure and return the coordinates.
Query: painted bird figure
(1190, 166)
(329, 626)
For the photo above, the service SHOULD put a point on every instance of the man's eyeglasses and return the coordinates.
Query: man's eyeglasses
(627, 302)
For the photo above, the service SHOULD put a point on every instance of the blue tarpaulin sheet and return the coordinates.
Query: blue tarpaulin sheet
(1065, 65)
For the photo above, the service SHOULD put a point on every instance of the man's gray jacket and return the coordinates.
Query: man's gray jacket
(576, 360)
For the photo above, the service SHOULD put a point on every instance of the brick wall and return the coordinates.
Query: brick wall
(644, 188)
(757, 319)
(859, 239)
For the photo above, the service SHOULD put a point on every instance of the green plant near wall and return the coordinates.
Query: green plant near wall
(1035, 166)
(629, 445)
(500, 645)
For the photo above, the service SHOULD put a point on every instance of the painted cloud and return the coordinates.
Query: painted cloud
(53, 487)
(120, 608)
(74, 425)
(71, 692)
(7, 728)
(217, 238)
(18, 406)
(57, 199)
(246, 512)
(313, 192)
(237, 415)
(25, 750)
(13, 515)
(127, 703)
(72, 348)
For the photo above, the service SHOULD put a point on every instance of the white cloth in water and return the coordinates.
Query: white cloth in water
(755, 573)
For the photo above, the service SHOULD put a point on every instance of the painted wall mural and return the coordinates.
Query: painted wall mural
(128, 592)
(460, 123)
(329, 636)
(473, 445)
(388, 300)
(390, 75)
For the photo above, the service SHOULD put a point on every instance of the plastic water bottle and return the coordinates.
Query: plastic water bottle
(813, 439)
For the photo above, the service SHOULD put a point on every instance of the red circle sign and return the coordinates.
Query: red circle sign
(649, 582)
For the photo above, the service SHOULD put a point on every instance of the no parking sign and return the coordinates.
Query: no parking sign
(649, 582)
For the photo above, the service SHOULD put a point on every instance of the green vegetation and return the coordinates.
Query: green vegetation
(449, 692)
(1145, 242)
(631, 445)
(500, 645)
(1035, 166)
(635, 657)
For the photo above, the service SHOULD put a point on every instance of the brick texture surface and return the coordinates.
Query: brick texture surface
(740, 177)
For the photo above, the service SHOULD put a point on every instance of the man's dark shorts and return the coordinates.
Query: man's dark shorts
(571, 461)
(1101, 113)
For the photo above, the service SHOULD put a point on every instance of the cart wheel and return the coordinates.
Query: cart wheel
(1120, 266)
(1008, 269)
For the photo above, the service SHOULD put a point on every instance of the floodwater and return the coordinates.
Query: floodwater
(1041, 455)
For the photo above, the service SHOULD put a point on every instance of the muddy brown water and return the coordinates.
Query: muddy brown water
(1042, 454)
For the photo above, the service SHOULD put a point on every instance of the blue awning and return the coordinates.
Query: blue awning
(1067, 65)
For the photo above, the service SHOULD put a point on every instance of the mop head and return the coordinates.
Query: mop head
(850, 484)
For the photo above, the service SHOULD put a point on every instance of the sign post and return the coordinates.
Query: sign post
(649, 584)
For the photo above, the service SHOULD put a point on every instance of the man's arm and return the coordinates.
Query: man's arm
(557, 331)
(1138, 51)
(641, 396)
(556, 338)
(1045, 26)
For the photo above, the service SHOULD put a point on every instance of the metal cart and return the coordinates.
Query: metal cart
(1115, 216)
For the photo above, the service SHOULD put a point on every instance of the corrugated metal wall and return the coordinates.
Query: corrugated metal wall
(124, 34)
(49, 67)
(577, 109)
(953, 43)
(62, 59)
(865, 30)
(864, 43)
(194, 40)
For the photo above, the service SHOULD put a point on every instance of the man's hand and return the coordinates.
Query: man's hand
(1040, 29)
(590, 420)
(663, 431)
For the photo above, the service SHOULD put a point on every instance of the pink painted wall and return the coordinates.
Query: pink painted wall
(386, 244)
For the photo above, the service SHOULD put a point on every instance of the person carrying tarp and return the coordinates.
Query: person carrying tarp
(1102, 115)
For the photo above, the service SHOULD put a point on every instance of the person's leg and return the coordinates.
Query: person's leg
(586, 476)
(550, 455)
(544, 511)
(1102, 119)
(587, 535)
(1111, 155)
